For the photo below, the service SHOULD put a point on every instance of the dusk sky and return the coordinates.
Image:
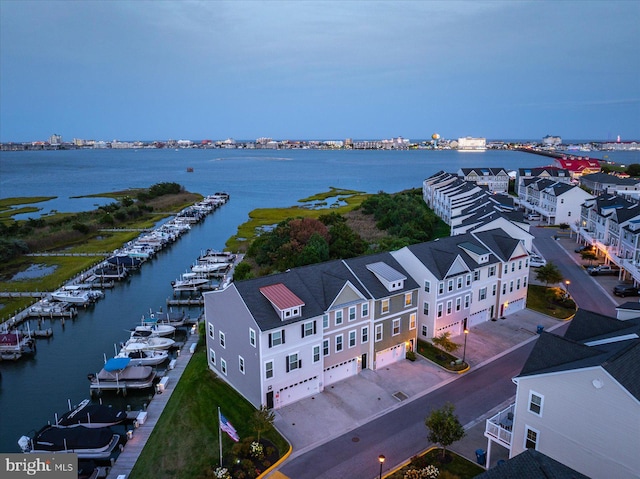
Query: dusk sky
(142, 70)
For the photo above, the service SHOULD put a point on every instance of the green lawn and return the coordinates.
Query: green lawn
(438, 356)
(537, 301)
(455, 464)
(184, 443)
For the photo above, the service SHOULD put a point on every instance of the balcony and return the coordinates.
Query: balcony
(498, 427)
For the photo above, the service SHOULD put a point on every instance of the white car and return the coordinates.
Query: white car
(536, 261)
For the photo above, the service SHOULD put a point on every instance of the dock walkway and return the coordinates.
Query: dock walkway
(128, 457)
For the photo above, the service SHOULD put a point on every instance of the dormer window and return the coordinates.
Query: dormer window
(392, 279)
(283, 300)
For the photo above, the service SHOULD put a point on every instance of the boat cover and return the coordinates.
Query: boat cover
(56, 438)
(116, 364)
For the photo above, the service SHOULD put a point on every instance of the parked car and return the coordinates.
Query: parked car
(625, 289)
(583, 249)
(536, 261)
(602, 269)
(533, 217)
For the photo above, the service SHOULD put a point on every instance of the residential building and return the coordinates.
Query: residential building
(578, 399)
(531, 464)
(548, 172)
(556, 202)
(283, 337)
(578, 167)
(496, 180)
(600, 183)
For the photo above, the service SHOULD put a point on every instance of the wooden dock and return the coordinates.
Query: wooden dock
(185, 302)
(128, 457)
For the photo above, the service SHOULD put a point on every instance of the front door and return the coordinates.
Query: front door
(364, 361)
(270, 400)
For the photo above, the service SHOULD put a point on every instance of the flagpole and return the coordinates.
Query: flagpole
(220, 436)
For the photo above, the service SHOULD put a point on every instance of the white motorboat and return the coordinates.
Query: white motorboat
(190, 282)
(152, 327)
(76, 295)
(206, 267)
(139, 343)
(144, 357)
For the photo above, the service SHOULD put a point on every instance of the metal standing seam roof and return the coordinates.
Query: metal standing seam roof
(281, 296)
(386, 272)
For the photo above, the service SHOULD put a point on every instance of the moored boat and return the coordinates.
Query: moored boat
(152, 327)
(14, 344)
(91, 415)
(144, 357)
(87, 443)
(146, 343)
(118, 374)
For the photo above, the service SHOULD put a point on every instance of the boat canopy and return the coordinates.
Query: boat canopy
(116, 364)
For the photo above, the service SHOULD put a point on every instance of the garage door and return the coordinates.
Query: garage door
(296, 392)
(478, 318)
(340, 371)
(390, 356)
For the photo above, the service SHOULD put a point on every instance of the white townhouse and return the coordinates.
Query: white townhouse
(600, 183)
(524, 175)
(556, 202)
(495, 179)
(466, 279)
(283, 337)
(578, 399)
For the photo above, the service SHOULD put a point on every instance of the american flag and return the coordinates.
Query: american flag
(227, 427)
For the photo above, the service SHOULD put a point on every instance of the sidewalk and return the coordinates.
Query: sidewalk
(340, 408)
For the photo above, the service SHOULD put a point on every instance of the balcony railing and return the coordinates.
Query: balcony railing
(499, 427)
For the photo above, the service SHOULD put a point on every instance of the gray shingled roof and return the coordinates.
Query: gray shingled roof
(531, 464)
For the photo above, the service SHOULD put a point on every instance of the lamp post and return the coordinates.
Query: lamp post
(566, 286)
(464, 350)
(381, 458)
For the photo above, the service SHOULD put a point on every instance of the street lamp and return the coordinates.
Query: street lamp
(464, 351)
(381, 458)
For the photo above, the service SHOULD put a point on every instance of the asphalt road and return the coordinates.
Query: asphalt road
(401, 433)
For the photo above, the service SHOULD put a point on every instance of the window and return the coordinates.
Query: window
(467, 300)
(222, 339)
(476, 275)
(385, 306)
(492, 271)
(425, 308)
(427, 286)
(439, 310)
(212, 356)
(425, 330)
(531, 438)
(293, 362)
(396, 327)
(338, 318)
(352, 313)
(458, 304)
(268, 369)
(520, 264)
(378, 332)
(524, 282)
(412, 321)
(325, 347)
(513, 266)
(241, 364)
(482, 294)
(440, 287)
(325, 321)
(316, 354)
(510, 286)
(450, 285)
(364, 334)
(459, 282)
(352, 338)
(449, 307)
(535, 403)
(518, 283)
(526, 262)
(408, 299)
(308, 329)
(504, 288)
(223, 366)
(252, 337)
(210, 328)
(276, 338)
(339, 344)
(494, 289)
(365, 310)
(468, 280)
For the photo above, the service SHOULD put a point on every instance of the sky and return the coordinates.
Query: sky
(319, 70)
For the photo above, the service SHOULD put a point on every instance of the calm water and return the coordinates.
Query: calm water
(32, 390)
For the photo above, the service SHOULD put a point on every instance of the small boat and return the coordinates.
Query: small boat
(91, 416)
(190, 282)
(154, 328)
(205, 267)
(139, 342)
(174, 318)
(144, 357)
(87, 443)
(213, 256)
(189, 170)
(118, 374)
(76, 295)
(14, 344)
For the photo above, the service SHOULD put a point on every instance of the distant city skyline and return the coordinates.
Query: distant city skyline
(319, 70)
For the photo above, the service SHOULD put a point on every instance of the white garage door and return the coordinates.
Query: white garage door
(340, 371)
(390, 356)
(478, 318)
(296, 392)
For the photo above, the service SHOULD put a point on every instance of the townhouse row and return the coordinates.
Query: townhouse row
(280, 338)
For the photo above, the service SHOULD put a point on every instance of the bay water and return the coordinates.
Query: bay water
(34, 388)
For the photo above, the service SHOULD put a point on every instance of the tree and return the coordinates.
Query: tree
(633, 169)
(589, 255)
(444, 427)
(563, 227)
(444, 342)
(262, 420)
(549, 274)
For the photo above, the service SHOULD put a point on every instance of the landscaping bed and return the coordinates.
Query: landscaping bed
(453, 466)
